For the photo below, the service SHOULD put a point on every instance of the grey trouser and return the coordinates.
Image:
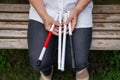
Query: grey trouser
(37, 35)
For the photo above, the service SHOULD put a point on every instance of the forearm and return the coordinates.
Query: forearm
(81, 5)
(39, 7)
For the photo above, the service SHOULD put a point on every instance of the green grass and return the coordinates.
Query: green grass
(103, 65)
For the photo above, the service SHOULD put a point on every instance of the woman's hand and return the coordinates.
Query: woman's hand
(73, 18)
(75, 12)
(48, 21)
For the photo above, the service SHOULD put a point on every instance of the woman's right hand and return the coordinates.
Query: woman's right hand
(48, 21)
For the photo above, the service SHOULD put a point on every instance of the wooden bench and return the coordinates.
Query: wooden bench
(14, 21)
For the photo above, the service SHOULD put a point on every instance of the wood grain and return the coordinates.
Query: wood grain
(106, 26)
(14, 25)
(13, 16)
(97, 44)
(23, 34)
(106, 9)
(13, 33)
(14, 8)
(24, 17)
(13, 44)
(106, 18)
(24, 26)
(25, 8)
(107, 44)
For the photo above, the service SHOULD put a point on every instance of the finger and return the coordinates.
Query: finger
(74, 22)
(57, 27)
(56, 23)
(62, 24)
(55, 33)
(62, 31)
(68, 20)
(67, 32)
(56, 30)
(47, 27)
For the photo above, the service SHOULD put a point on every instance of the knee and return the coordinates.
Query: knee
(80, 66)
(43, 65)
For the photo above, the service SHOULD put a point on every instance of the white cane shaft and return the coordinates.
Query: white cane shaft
(69, 27)
(69, 24)
(63, 48)
(42, 53)
(64, 44)
(59, 47)
(59, 42)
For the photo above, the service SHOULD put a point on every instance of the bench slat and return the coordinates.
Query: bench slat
(106, 18)
(97, 44)
(13, 23)
(106, 9)
(106, 26)
(13, 27)
(13, 33)
(24, 17)
(13, 44)
(106, 34)
(23, 34)
(24, 26)
(13, 16)
(25, 8)
(14, 7)
(107, 44)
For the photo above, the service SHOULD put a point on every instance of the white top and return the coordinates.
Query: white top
(53, 7)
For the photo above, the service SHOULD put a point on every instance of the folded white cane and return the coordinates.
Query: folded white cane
(46, 43)
(71, 43)
(59, 41)
(64, 44)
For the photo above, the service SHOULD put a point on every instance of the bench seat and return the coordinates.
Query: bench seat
(14, 23)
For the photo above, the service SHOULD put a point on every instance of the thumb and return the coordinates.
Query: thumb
(56, 23)
(68, 20)
(74, 22)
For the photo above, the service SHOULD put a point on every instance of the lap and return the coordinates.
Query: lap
(81, 45)
(36, 37)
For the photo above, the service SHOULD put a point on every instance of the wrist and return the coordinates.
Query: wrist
(44, 17)
(76, 11)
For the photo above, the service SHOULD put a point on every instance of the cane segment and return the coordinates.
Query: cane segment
(59, 41)
(64, 43)
(46, 44)
(71, 43)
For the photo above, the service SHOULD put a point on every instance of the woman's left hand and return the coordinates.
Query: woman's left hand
(73, 18)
